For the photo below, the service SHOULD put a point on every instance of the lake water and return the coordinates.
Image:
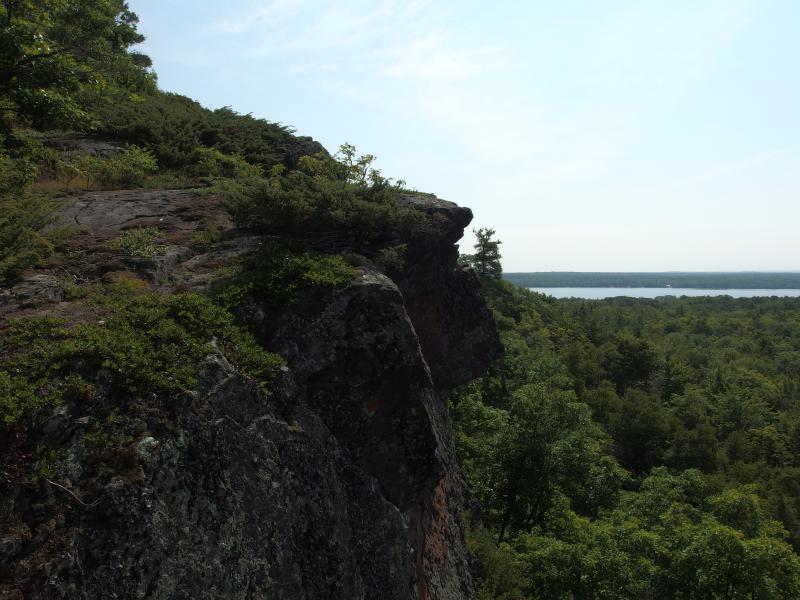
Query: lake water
(597, 293)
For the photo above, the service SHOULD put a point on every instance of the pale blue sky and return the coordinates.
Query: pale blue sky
(592, 135)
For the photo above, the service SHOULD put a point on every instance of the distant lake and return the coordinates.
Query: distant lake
(597, 293)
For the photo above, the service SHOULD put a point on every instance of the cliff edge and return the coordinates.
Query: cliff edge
(340, 483)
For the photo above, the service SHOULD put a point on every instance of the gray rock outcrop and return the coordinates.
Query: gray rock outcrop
(342, 484)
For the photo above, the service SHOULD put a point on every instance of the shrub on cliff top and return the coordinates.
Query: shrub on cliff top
(174, 127)
(213, 164)
(362, 217)
(277, 275)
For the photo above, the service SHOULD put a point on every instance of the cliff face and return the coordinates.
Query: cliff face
(342, 484)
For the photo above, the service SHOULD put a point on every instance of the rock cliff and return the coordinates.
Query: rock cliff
(341, 484)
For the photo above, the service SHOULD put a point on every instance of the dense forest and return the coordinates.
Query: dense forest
(630, 448)
(708, 281)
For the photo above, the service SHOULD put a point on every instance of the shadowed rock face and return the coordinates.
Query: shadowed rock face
(376, 365)
(443, 300)
(341, 485)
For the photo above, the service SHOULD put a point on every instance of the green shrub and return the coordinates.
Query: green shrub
(15, 173)
(130, 167)
(22, 245)
(277, 275)
(148, 343)
(139, 242)
(363, 217)
(213, 163)
(22, 216)
(46, 461)
(322, 166)
(17, 396)
(108, 433)
(205, 238)
(125, 169)
(341, 203)
(173, 127)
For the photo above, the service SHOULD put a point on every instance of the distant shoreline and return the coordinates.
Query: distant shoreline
(697, 280)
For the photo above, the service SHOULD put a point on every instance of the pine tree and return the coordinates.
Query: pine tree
(486, 260)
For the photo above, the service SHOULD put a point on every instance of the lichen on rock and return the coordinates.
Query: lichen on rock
(342, 483)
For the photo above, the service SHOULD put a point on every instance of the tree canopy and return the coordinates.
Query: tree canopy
(52, 51)
(631, 448)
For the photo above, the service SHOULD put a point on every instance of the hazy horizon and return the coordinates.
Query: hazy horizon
(593, 136)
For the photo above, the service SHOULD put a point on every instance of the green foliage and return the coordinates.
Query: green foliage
(358, 170)
(46, 461)
(205, 238)
(697, 400)
(109, 433)
(486, 260)
(321, 166)
(139, 242)
(22, 216)
(352, 216)
(22, 245)
(15, 173)
(124, 169)
(147, 344)
(177, 131)
(52, 51)
(278, 275)
(575, 557)
(544, 442)
(498, 575)
(714, 546)
(17, 396)
(346, 166)
(213, 163)
(643, 430)
(628, 361)
(660, 542)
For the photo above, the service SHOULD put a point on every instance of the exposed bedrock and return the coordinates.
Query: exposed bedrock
(341, 485)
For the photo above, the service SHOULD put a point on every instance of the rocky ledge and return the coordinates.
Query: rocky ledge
(342, 484)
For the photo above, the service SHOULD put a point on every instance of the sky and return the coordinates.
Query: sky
(591, 135)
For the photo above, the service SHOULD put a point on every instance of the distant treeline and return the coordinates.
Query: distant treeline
(712, 281)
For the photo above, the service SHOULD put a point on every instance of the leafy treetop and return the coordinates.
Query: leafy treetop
(51, 51)
(486, 260)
